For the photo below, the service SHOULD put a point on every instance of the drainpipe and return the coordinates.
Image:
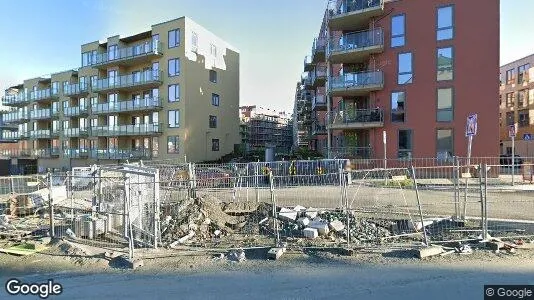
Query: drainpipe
(327, 88)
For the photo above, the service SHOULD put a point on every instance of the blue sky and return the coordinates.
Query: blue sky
(272, 36)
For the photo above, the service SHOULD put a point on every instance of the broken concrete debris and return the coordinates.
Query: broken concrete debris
(429, 251)
(337, 226)
(310, 233)
(275, 253)
(236, 255)
(303, 222)
(287, 214)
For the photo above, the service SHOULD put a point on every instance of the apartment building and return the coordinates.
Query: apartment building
(171, 92)
(302, 116)
(266, 128)
(516, 103)
(410, 70)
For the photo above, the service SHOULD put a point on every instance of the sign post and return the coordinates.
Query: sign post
(527, 137)
(470, 132)
(385, 147)
(512, 134)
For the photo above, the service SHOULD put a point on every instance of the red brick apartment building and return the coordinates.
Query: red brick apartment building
(415, 69)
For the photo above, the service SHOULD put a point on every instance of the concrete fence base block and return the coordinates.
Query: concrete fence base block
(429, 251)
(134, 263)
(275, 253)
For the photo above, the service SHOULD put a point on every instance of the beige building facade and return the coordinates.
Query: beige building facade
(171, 92)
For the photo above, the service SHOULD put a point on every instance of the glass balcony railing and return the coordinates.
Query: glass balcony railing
(351, 152)
(318, 128)
(120, 153)
(15, 116)
(308, 63)
(357, 80)
(116, 130)
(40, 114)
(130, 80)
(76, 153)
(15, 99)
(349, 6)
(16, 152)
(76, 89)
(74, 132)
(357, 117)
(74, 111)
(10, 135)
(47, 152)
(319, 101)
(44, 94)
(42, 133)
(358, 41)
(131, 52)
(55, 132)
(130, 105)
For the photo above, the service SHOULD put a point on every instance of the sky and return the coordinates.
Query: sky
(272, 36)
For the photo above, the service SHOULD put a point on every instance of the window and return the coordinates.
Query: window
(398, 30)
(444, 143)
(500, 100)
(213, 122)
(398, 102)
(215, 145)
(510, 76)
(522, 98)
(405, 74)
(174, 118)
(213, 76)
(94, 122)
(174, 67)
(213, 50)
(65, 86)
(174, 38)
(155, 146)
(136, 75)
(174, 93)
(65, 124)
(445, 63)
(524, 120)
(510, 118)
(94, 81)
(510, 99)
(445, 105)
(214, 99)
(405, 144)
(112, 52)
(173, 144)
(445, 30)
(55, 87)
(522, 73)
(194, 41)
(65, 104)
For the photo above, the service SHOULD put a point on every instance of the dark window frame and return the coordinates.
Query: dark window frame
(176, 113)
(212, 121)
(215, 145)
(403, 112)
(451, 154)
(453, 17)
(213, 79)
(437, 63)
(175, 139)
(399, 73)
(215, 99)
(396, 36)
(176, 94)
(177, 67)
(445, 109)
(177, 38)
(407, 150)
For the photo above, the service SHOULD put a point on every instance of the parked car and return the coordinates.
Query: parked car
(213, 177)
(506, 160)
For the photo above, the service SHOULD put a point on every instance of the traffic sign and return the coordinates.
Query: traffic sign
(511, 131)
(527, 137)
(471, 126)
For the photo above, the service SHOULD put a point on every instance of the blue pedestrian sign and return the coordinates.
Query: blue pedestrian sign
(471, 126)
(527, 137)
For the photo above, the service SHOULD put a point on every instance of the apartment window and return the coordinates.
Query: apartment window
(155, 147)
(174, 38)
(215, 99)
(524, 120)
(405, 68)
(522, 73)
(522, 98)
(398, 30)
(213, 76)
(213, 50)
(174, 67)
(510, 99)
(444, 143)
(55, 126)
(136, 75)
(55, 87)
(65, 86)
(445, 64)
(173, 144)
(94, 81)
(194, 40)
(65, 104)
(510, 76)
(66, 124)
(174, 118)
(82, 82)
(405, 144)
(215, 145)
(445, 105)
(213, 122)
(500, 100)
(112, 52)
(94, 122)
(510, 118)
(87, 60)
(398, 102)
(174, 93)
(445, 30)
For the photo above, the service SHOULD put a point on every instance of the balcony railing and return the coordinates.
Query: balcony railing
(120, 153)
(40, 134)
(74, 111)
(308, 65)
(130, 105)
(15, 117)
(47, 153)
(319, 76)
(351, 152)
(40, 114)
(44, 94)
(354, 6)
(76, 89)
(319, 102)
(15, 99)
(359, 118)
(76, 153)
(16, 152)
(318, 128)
(318, 50)
(362, 43)
(116, 130)
(131, 80)
(354, 14)
(129, 53)
(10, 135)
(75, 132)
(364, 81)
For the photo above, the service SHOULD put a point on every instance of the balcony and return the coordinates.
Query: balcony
(76, 132)
(9, 136)
(317, 128)
(319, 50)
(15, 153)
(19, 99)
(319, 103)
(130, 82)
(319, 76)
(40, 134)
(40, 114)
(356, 84)
(15, 117)
(357, 119)
(76, 89)
(120, 153)
(75, 111)
(351, 152)
(306, 80)
(76, 153)
(127, 130)
(46, 153)
(356, 47)
(354, 14)
(125, 106)
(42, 95)
(308, 65)
(55, 133)
(128, 56)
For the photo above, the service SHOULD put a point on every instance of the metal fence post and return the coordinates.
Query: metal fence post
(51, 206)
(486, 228)
(465, 191)
(273, 202)
(419, 206)
(480, 184)
(257, 182)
